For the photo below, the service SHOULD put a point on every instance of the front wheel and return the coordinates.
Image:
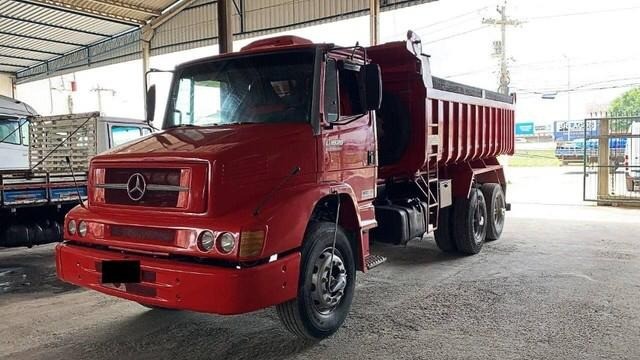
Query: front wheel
(326, 285)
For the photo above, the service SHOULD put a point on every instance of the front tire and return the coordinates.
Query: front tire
(322, 303)
(470, 222)
(496, 209)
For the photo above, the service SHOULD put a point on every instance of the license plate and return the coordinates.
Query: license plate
(120, 271)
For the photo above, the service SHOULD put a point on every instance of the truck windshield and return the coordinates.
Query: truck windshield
(268, 88)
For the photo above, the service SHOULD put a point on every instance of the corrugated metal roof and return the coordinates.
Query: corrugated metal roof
(108, 30)
(32, 31)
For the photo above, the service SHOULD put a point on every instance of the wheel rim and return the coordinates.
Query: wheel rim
(327, 293)
(499, 212)
(479, 221)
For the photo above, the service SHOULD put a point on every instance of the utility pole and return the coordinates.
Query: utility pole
(99, 90)
(501, 48)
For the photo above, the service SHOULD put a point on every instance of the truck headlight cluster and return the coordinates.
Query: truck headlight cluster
(82, 228)
(226, 242)
(206, 241)
(79, 227)
(71, 227)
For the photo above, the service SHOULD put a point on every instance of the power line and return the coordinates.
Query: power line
(449, 21)
(581, 13)
(454, 35)
(534, 65)
(583, 87)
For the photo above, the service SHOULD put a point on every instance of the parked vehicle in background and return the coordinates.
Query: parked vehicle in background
(632, 158)
(574, 151)
(276, 167)
(36, 192)
(14, 133)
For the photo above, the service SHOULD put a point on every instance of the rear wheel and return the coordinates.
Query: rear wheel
(470, 222)
(444, 234)
(327, 282)
(496, 209)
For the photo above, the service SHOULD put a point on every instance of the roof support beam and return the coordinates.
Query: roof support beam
(41, 38)
(32, 50)
(53, 26)
(14, 65)
(129, 7)
(82, 11)
(20, 57)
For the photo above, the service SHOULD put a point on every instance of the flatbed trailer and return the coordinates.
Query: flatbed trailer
(35, 198)
(269, 192)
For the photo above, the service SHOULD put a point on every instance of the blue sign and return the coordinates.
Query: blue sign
(525, 129)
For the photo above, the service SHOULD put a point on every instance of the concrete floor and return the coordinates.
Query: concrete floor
(563, 282)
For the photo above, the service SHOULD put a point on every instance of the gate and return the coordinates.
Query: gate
(611, 157)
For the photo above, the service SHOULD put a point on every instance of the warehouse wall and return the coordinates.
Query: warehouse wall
(6, 85)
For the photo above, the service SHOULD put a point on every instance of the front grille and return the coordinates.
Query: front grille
(143, 233)
(161, 187)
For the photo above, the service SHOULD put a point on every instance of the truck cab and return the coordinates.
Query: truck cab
(14, 133)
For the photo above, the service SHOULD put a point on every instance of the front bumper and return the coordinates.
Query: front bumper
(183, 285)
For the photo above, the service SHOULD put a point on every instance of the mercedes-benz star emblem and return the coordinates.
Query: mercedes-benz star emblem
(136, 187)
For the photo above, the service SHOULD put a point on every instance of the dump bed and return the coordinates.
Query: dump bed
(431, 122)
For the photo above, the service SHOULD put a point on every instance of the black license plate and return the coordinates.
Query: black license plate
(120, 271)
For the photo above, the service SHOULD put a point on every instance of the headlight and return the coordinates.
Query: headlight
(206, 241)
(71, 227)
(226, 243)
(82, 228)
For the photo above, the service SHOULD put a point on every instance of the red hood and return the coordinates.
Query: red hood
(247, 160)
(212, 143)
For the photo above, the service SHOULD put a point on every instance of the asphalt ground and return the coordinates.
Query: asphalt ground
(563, 282)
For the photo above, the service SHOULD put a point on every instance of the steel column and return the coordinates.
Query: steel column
(374, 21)
(225, 28)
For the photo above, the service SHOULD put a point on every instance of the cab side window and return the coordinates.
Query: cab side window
(350, 103)
(9, 132)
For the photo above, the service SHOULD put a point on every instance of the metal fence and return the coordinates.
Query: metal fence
(611, 157)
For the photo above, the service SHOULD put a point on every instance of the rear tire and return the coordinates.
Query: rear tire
(470, 222)
(444, 234)
(496, 209)
(319, 310)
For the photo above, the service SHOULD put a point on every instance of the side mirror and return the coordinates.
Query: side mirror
(151, 103)
(372, 81)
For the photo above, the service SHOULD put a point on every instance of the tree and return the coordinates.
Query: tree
(627, 104)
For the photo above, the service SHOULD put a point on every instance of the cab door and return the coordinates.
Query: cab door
(348, 141)
(14, 144)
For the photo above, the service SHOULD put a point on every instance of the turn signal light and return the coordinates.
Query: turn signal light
(98, 179)
(183, 196)
(251, 243)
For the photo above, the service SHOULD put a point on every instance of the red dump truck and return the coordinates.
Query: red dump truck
(277, 167)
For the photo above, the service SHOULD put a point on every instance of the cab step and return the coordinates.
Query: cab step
(374, 260)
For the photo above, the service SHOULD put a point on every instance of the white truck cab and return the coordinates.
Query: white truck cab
(14, 143)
